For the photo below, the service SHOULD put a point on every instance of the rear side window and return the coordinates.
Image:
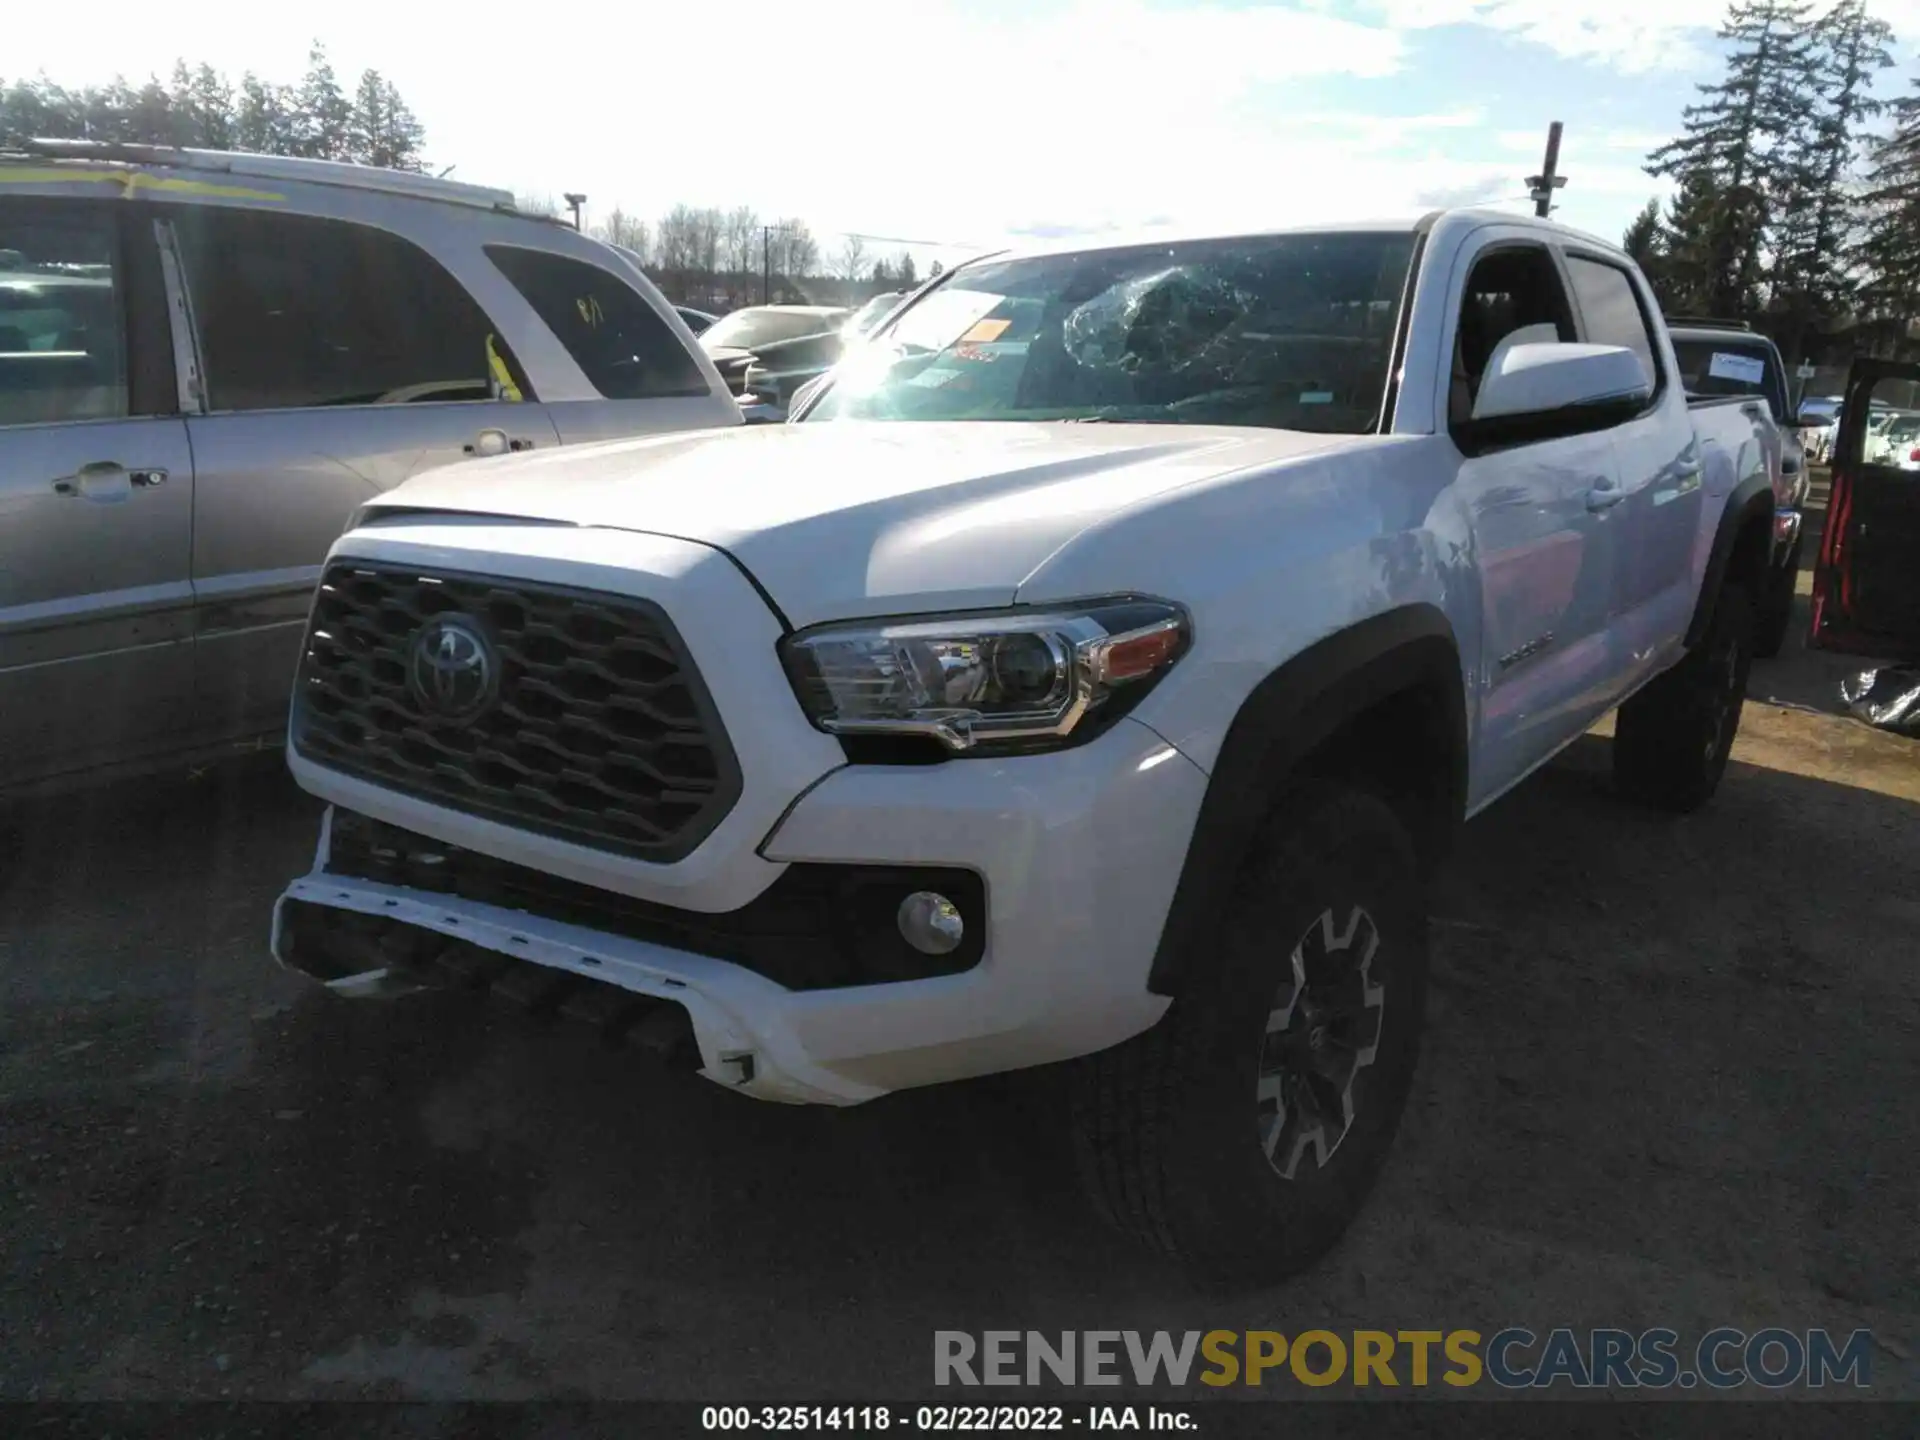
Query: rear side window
(296, 311)
(62, 346)
(1612, 310)
(621, 345)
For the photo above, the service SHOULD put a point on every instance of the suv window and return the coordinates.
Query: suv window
(62, 351)
(297, 311)
(620, 344)
(1612, 311)
(1510, 288)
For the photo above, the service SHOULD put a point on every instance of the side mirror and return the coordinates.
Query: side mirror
(1544, 380)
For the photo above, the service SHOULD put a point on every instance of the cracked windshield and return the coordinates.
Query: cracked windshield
(1083, 710)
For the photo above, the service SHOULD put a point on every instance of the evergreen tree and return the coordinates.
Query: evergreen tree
(383, 130)
(323, 118)
(903, 271)
(151, 119)
(203, 105)
(263, 121)
(1889, 249)
(1643, 240)
(1736, 148)
(1850, 48)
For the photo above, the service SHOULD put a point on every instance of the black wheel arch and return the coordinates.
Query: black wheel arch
(1742, 550)
(1382, 700)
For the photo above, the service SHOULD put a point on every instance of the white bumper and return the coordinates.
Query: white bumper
(1080, 852)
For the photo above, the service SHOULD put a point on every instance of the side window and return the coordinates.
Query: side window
(1509, 289)
(295, 311)
(63, 353)
(1611, 308)
(613, 334)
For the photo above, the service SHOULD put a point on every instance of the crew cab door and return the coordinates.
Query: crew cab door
(1546, 525)
(1866, 586)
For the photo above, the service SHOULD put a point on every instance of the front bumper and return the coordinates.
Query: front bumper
(1079, 852)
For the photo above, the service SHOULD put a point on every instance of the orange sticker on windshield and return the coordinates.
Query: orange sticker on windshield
(985, 332)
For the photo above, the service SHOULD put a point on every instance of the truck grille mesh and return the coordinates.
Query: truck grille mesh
(594, 725)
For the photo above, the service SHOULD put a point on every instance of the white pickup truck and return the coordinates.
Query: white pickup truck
(1092, 673)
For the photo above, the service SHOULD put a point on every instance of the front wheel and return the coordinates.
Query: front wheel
(1672, 741)
(1242, 1133)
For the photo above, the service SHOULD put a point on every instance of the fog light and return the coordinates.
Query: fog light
(931, 923)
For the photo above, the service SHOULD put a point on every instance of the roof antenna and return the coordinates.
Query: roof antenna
(446, 172)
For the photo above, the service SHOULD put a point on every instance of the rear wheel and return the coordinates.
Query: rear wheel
(1671, 742)
(1242, 1133)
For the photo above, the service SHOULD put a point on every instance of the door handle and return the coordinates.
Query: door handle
(107, 482)
(1604, 495)
(496, 442)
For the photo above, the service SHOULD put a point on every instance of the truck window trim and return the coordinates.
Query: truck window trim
(1478, 438)
(1570, 253)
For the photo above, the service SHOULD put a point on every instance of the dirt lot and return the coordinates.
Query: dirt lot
(1669, 1080)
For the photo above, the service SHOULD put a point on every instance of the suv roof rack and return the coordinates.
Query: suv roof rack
(275, 167)
(1707, 322)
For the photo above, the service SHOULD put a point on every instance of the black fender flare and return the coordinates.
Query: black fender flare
(1282, 721)
(1751, 498)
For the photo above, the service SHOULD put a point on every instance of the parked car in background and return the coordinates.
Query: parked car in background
(1720, 359)
(870, 315)
(737, 340)
(974, 736)
(203, 375)
(1821, 450)
(1891, 437)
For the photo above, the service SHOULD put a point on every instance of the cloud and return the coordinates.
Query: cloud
(1635, 36)
(1483, 191)
(1360, 130)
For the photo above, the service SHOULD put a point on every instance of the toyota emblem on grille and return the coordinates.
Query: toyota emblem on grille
(451, 669)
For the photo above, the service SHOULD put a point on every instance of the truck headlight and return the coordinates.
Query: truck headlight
(1010, 679)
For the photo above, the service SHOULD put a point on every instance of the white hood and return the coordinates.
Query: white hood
(844, 519)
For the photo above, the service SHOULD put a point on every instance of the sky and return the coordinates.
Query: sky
(963, 124)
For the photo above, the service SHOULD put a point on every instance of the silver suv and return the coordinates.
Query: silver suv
(209, 361)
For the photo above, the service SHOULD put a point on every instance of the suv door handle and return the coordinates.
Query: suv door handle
(107, 482)
(496, 442)
(1605, 494)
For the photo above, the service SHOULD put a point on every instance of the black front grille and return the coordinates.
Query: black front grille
(599, 731)
(817, 927)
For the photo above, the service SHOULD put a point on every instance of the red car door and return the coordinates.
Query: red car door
(1866, 587)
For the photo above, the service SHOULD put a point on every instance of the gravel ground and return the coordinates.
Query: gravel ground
(1669, 1080)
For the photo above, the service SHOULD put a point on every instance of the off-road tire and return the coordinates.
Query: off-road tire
(1672, 740)
(1775, 615)
(1169, 1128)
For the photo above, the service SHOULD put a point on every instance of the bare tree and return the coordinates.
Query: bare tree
(629, 232)
(709, 226)
(677, 246)
(541, 205)
(740, 241)
(852, 264)
(791, 249)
